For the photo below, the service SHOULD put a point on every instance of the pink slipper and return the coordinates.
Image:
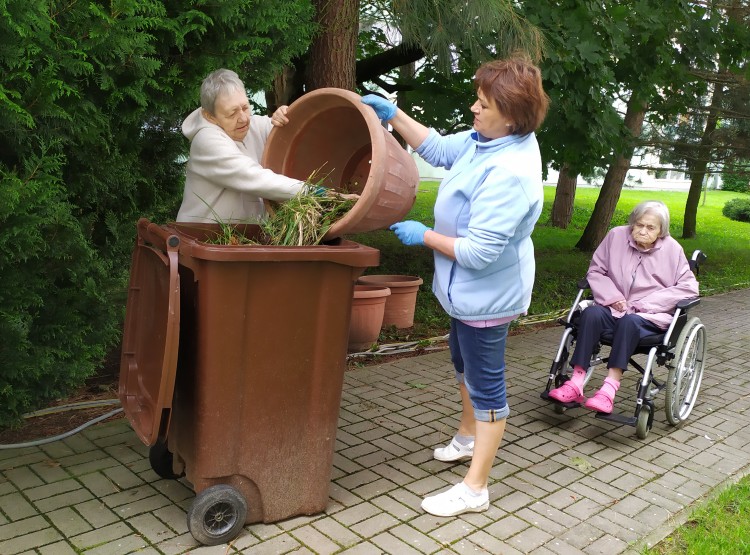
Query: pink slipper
(600, 403)
(567, 393)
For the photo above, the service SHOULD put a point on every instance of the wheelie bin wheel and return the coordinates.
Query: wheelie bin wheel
(217, 515)
(161, 461)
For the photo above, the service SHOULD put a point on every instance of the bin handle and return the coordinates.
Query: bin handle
(157, 236)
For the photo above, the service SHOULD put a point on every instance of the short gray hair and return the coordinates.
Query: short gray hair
(655, 207)
(217, 83)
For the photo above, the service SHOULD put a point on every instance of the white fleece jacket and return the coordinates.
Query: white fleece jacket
(224, 180)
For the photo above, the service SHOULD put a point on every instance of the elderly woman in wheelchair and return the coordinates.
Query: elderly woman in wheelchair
(639, 277)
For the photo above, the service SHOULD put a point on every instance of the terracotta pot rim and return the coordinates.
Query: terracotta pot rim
(390, 280)
(370, 291)
(387, 174)
(332, 95)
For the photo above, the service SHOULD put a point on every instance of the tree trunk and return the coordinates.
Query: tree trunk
(605, 205)
(699, 166)
(565, 195)
(333, 52)
(287, 87)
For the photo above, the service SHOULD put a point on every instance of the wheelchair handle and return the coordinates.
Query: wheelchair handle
(696, 260)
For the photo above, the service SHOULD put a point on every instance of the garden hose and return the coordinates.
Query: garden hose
(430, 344)
(65, 408)
(72, 406)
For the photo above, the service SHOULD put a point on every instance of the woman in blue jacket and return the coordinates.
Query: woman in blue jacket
(485, 211)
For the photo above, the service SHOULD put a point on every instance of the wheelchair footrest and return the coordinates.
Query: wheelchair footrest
(545, 395)
(618, 418)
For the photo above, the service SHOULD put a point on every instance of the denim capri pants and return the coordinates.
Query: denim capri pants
(478, 355)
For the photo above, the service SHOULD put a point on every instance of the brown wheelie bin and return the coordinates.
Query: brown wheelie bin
(232, 369)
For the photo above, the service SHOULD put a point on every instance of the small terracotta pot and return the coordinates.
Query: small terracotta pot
(331, 134)
(399, 307)
(368, 307)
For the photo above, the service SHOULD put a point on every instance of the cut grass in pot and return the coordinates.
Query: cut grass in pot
(305, 218)
(300, 221)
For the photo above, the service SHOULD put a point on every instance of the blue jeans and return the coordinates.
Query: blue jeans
(478, 355)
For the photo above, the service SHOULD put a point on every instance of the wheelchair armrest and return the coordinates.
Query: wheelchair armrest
(684, 304)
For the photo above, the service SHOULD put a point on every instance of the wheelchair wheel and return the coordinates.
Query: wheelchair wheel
(641, 426)
(559, 380)
(685, 372)
(560, 366)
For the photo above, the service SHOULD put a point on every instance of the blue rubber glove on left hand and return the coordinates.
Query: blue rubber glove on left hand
(410, 233)
(385, 110)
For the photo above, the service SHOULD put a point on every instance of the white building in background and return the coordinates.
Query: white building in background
(427, 172)
(637, 179)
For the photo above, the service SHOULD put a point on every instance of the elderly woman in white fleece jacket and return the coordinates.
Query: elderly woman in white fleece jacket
(224, 179)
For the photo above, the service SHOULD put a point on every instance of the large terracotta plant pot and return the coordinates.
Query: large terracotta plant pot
(368, 307)
(399, 307)
(332, 135)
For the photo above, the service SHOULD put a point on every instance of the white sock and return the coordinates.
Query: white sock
(473, 493)
(463, 440)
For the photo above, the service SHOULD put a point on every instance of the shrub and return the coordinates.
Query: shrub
(55, 321)
(91, 101)
(736, 183)
(737, 209)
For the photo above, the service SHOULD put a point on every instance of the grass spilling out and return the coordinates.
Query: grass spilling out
(305, 218)
(302, 220)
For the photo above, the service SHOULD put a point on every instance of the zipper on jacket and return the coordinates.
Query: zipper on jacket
(474, 154)
(635, 271)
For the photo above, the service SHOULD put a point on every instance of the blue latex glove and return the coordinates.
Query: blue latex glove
(384, 109)
(410, 233)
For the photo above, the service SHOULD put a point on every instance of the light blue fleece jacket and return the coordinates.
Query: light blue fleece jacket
(489, 200)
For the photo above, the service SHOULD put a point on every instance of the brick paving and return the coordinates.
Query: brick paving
(562, 484)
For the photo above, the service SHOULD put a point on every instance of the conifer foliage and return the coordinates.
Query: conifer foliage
(91, 98)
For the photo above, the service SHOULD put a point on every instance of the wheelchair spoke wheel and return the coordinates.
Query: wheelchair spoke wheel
(685, 372)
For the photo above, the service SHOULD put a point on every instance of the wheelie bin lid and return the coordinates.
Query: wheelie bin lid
(195, 243)
(150, 342)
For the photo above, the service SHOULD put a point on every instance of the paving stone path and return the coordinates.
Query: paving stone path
(562, 484)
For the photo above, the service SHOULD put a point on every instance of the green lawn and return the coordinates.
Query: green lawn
(560, 265)
(719, 527)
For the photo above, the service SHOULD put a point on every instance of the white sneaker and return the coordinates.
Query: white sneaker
(456, 501)
(454, 451)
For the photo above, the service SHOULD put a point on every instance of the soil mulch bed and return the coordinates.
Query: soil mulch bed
(101, 386)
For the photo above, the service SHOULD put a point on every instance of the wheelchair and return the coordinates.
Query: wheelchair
(681, 349)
